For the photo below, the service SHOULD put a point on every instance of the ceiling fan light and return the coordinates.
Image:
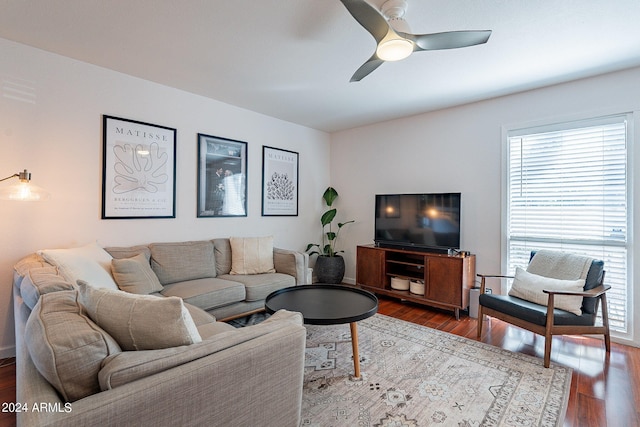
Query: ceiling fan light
(394, 49)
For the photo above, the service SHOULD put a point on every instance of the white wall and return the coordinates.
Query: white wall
(57, 136)
(460, 150)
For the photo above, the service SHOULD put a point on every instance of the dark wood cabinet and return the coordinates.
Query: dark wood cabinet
(447, 278)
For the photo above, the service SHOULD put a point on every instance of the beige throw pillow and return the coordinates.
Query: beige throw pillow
(528, 286)
(90, 263)
(252, 255)
(134, 275)
(66, 347)
(140, 322)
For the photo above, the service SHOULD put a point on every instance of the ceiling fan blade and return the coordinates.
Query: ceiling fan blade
(368, 17)
(366, 68)
(447, 40)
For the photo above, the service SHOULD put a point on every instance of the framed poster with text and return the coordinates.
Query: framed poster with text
(138, 170)
(279, 182)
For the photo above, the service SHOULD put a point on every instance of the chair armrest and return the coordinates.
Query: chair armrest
(592, 293)
(494, 276)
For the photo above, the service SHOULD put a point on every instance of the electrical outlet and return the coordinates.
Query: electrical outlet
(488, 290)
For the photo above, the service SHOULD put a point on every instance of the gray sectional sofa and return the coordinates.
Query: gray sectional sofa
(73, 368)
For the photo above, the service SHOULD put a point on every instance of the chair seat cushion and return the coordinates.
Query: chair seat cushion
(531, 312)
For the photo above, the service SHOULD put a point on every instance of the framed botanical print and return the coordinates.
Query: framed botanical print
(138, 170)
(222, 177)
(279, 182)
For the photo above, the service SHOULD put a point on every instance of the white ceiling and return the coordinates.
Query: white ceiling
(292, 59)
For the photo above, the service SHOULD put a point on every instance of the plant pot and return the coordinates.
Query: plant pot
(330, 269)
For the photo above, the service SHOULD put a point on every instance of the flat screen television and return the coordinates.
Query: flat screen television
(429, 222)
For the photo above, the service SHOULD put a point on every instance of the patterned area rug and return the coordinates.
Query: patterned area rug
(416, 376)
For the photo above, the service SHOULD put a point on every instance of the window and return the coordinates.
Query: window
(567, 190)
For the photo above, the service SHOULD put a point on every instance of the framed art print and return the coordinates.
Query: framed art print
(138, 170)
(279, 182)
(222, 177)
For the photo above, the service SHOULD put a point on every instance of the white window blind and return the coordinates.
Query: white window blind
(567, 190)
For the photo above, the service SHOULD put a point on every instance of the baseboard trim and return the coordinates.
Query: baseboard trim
(6, 352)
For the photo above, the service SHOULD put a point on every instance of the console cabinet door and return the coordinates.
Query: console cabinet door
(370, 267)
(444, 280)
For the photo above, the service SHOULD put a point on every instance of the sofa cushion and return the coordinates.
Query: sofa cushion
(529, 287)
(252, 255)
(89, 262)
(39, 281)
(66, 347)
(134, 275)
(139, 322)
(207, 293)
(258, 286)
(180, 261)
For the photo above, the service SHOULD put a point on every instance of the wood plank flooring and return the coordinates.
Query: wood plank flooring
(605, 391)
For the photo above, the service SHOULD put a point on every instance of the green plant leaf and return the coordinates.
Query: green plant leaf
(330, 194)
(340, 224)
(311, 245)
(331, 235)
(328, 216)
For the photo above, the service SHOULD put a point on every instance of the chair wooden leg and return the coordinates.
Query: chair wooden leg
(605, 322)
(480, 315)
(547, 350)
(548, 337)
(480, 321)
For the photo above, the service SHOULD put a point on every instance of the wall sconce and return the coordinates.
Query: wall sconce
(23, 191)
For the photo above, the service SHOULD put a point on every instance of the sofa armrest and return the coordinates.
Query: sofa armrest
(125, 367)
(291, 262)
(255, 380)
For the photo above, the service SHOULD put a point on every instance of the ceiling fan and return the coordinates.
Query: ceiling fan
(393, 36)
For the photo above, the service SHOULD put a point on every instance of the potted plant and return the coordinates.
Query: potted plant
(329, 264)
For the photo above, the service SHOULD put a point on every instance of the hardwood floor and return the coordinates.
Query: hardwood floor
(7, 390)
(605, 391)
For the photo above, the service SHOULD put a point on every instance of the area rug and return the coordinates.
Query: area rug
(417, 376)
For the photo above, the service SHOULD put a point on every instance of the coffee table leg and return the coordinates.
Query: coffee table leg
(354, 345)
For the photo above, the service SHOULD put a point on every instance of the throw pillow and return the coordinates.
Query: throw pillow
(134, 275)
(529, 287)
(252, 255)
(90, 263)
(139, 322)
(66, 347)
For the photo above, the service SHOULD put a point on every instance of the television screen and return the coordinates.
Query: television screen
(421, 221)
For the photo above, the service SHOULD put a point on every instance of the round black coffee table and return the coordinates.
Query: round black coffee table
(327, 305)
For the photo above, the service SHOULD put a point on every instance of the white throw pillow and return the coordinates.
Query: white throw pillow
(90, 263)
(529, 286)
(252, 255)
(139, 322)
